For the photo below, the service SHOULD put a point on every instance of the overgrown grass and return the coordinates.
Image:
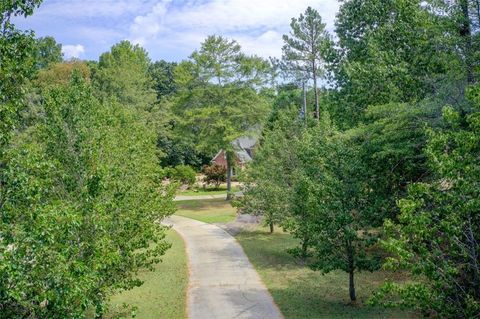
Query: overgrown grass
(209, 211)
(207, 191)
(302, 293)
(163, 294)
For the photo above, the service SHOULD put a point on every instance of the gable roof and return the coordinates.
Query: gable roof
(243, 146)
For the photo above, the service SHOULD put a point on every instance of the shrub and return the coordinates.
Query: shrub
(214, 174)
(182, 173)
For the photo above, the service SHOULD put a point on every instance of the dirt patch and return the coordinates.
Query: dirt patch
(243, 222)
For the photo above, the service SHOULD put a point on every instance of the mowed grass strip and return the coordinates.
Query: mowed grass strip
(304, 294)
(211, 211)
(163, 293)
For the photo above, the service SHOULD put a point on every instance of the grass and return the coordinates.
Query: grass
(163, 294)
(302, 293)
(207, 191)
(209, 211)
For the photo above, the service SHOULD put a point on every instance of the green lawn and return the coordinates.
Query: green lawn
(163, 294)
(302, 293)
(209, 211)
(207, 191)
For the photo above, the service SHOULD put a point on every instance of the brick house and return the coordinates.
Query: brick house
(243, 147)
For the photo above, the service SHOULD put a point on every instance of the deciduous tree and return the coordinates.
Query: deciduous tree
(217, 99)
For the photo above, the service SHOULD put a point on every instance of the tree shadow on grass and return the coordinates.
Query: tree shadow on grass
(303, 293)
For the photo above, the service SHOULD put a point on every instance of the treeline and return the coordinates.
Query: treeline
(382, 166)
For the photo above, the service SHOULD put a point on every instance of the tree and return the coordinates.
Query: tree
(162, 74)
(305, 47)
(123, 73)
(330, 195)
(436, 236)
(317, 193)
(48, 52)
(81, 199)
(394, 51)
(17, 61)
(61, 73)
(214, 174)
(217, 98)
(267, 191)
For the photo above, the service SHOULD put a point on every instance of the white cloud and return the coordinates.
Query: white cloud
(73, 51)
(257, 25)
(79, 9)
(170, 29)
(148, 26)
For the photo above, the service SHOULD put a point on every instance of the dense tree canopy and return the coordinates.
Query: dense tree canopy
(123, 73)
(48, 52)
(387, 154)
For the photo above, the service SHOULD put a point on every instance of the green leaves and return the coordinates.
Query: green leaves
(81, 201)
(217, 98)
(123, 74)
(435, 237)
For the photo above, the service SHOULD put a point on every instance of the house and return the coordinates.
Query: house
(243, 147)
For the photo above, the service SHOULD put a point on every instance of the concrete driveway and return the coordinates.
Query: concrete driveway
(202, 197)
(223, 283)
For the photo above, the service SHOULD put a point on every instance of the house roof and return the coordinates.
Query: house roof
(243, 149)
(241, 145)
(245, 142)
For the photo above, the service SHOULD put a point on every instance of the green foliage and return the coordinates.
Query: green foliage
(316, 192)
(305, 48)
(48, 52)
(162, 74)
(436, 235)
(390, 146)
(267, 180)
(214, 174)
(17, 62)
(123, 73)
(61, 74)
(390, 51)
(80, 202)
(217, 97)
(182, 173)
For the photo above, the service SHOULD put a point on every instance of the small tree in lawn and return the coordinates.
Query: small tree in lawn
(217, 99)
(328, 201)
(267, 179)
(214, 174)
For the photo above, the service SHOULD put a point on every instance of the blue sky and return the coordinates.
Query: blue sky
(169, 29)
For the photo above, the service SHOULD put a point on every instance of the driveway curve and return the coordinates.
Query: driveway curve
(223, 283)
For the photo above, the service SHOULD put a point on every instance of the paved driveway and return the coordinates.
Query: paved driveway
(202, 197)
(223, 283)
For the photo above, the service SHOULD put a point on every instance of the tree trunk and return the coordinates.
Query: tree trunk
(229, 176)
(466, 34)
(353, 296)
(304, 247)
(271, 227)
(304, 102)
(315, 91)
(351, 268)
